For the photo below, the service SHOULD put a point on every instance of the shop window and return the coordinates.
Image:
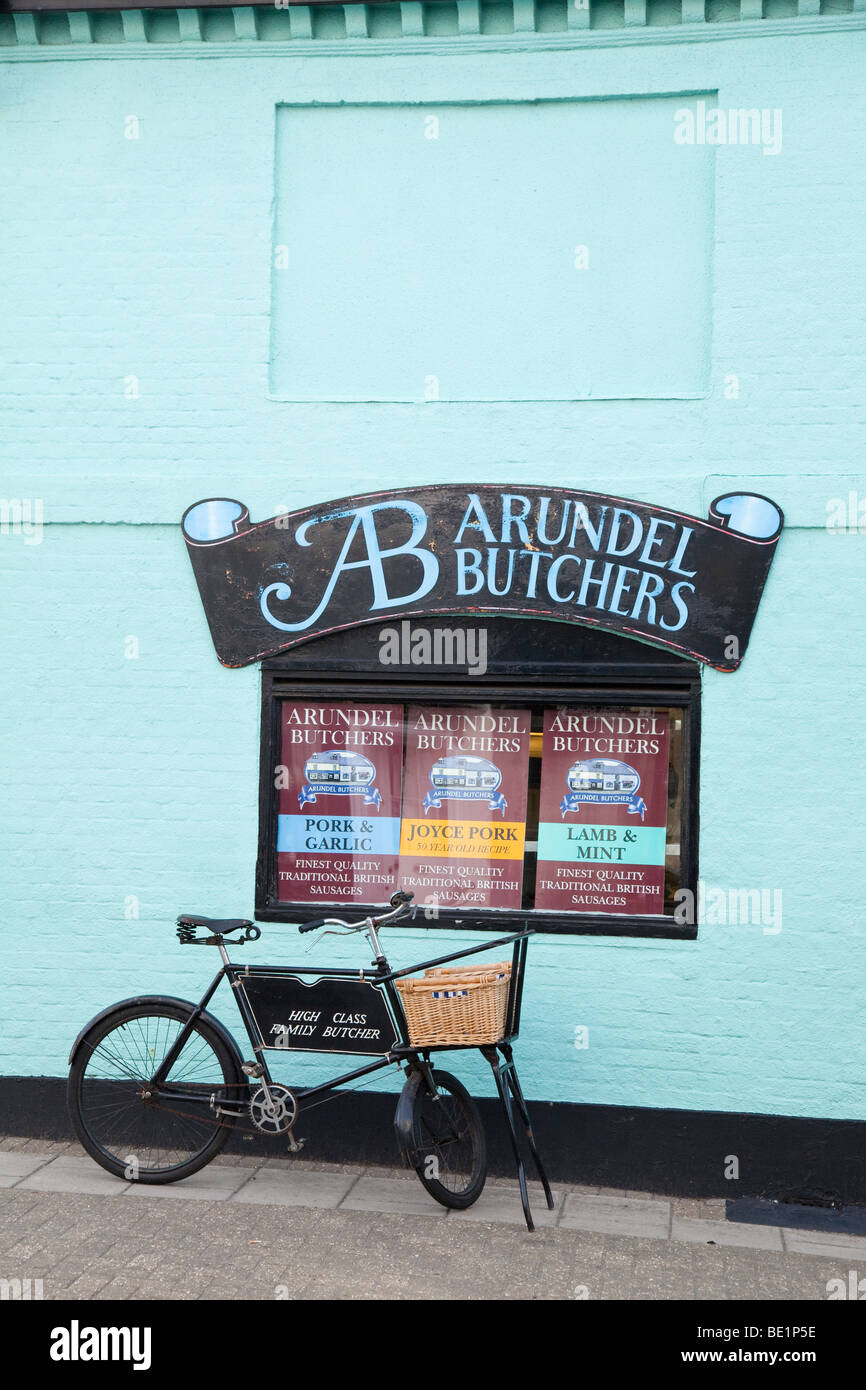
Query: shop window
(495, 796)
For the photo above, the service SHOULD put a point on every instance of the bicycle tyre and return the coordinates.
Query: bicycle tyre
(115, 1125)
(456, 1178)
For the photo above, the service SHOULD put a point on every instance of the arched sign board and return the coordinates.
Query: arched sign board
(577, 557)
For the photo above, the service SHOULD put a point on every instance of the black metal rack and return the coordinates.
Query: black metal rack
(503, 1067)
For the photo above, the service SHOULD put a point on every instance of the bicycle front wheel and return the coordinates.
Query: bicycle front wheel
(133, 1128)
(449, 1152)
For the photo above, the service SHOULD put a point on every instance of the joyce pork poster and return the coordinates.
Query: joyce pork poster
(464, 805)
(338, 824)
(603, 811)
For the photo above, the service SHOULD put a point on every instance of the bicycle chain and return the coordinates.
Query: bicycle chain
(252, 1129)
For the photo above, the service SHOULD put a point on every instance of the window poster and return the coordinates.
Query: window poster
(603, 811)
(464, 805)
(338, 827)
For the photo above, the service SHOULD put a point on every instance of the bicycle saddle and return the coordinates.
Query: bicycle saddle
(213, 924)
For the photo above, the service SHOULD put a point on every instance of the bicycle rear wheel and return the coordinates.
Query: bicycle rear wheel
(123, 1120)
(449, 1151)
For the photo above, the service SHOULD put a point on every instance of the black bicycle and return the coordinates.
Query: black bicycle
(157, 1084)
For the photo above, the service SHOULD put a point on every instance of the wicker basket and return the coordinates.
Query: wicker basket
(457, 1005)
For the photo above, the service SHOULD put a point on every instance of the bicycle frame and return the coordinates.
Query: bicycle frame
(381, 978)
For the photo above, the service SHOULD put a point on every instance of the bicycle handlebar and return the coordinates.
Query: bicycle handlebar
(399, 902)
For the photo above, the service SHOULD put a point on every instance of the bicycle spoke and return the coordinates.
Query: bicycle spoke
(123, 1121)
(445, 1134)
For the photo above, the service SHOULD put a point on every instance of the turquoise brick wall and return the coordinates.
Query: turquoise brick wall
(132, 783)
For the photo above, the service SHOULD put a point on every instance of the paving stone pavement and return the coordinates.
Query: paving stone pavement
(289, 1229)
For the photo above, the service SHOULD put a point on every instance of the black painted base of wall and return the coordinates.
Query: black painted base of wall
(676, 1152)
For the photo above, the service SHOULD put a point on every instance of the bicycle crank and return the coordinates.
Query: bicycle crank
(273, 1109)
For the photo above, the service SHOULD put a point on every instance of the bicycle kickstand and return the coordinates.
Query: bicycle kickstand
(514, 1083)
(500, 1073)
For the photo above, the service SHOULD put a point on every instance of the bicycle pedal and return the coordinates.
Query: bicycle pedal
(295, 1145)
(252, 1069)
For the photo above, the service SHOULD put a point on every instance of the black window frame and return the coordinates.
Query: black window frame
(533, 662)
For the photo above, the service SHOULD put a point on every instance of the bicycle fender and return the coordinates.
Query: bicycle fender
(404, 1112)
(210, 1018)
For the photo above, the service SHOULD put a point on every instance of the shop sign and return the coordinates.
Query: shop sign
(677, 581)
(603, 811)
(297, 1013)
(463, 830)
(338, 817)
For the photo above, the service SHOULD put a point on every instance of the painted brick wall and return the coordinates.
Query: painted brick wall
(132, 780)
